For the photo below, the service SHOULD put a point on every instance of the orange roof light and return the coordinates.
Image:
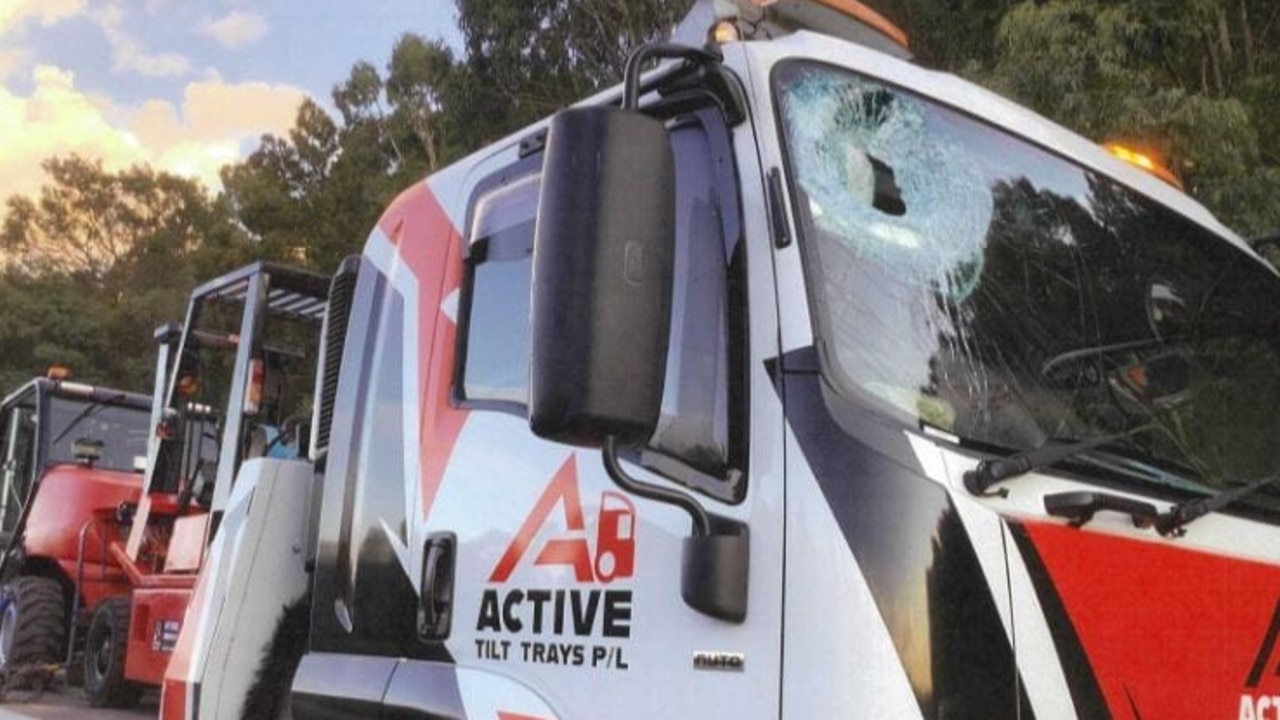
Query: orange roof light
(58, 371)
(870, 18)
(826, 16)
(1145, 162)
(725, 32)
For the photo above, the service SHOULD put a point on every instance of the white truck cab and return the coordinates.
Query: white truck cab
(789, 380)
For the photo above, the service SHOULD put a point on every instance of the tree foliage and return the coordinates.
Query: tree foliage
(98, 258)
(97, 261)
(1192, 80)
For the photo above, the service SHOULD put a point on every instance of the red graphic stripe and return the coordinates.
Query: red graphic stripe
(431, 247)
(1169, 632)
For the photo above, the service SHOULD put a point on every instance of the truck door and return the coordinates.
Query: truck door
(508, 573)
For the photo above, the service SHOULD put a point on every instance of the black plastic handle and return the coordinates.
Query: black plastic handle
(1080, 507)
(435, 610)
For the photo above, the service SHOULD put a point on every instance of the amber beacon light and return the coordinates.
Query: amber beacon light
(1145, 162)
(845, 19)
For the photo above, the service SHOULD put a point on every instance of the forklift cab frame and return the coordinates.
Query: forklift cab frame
(260, 291)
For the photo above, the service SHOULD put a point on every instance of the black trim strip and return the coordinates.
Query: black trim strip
(333, 686)
(1264, 652)
(423, 691)
(912, 548)
(1133, 706)
(1086, 694)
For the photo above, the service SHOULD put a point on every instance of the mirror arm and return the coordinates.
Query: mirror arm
(635, 61)
(701, 521)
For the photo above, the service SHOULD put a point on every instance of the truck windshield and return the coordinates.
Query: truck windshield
(123, 432)
(963, 278)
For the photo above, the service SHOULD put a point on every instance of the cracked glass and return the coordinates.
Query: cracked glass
(963, 278)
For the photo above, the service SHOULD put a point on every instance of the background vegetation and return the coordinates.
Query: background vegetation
(99, 258)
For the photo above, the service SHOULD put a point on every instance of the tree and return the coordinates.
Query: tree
(420, 80)
(87, 221)
(528, 58)
(952, 35)
(311, 198)
(1186, 78)
(100, 259)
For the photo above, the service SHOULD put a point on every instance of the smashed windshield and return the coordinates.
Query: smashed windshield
(969, 280)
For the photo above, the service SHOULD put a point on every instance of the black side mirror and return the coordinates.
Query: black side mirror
(600, 320)
(600, 311)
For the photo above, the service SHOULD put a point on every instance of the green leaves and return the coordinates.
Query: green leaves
(1192, 80)
(99, 258)
(96, 262)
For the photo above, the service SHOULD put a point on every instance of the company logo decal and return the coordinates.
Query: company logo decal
(562, 624)
(1254, 705)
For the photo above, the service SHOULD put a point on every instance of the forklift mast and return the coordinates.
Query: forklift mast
(234, 382)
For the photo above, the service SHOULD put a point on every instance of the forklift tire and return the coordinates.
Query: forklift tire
(33, 619)
(104, 652)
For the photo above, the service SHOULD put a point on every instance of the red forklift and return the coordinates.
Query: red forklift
(72, 455)
(223, 395)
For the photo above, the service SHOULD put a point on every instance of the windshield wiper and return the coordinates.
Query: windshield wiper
(1175, 520)
(989, 472)
(86, 412)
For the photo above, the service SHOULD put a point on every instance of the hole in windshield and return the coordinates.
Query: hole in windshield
(967, 279)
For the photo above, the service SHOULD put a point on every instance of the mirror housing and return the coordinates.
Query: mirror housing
(714, 571)
(600, 305)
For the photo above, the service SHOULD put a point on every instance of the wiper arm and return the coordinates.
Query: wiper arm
(1174, 521)
(989, 472)
(86, 412)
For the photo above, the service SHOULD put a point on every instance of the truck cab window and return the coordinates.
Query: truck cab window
(700, 392)
(19, 437)
(694, 424)
(495, 367)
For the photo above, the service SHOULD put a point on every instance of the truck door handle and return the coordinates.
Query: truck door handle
(435, 608)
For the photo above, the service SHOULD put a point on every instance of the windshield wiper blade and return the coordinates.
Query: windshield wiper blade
(86, 412)
(1175, 520)
(989, 472)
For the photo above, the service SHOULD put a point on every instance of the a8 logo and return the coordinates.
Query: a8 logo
(615, 541)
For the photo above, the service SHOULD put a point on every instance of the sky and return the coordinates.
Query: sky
(183, 85)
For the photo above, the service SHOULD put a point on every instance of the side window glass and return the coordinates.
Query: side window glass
(695, 428)
(19, 436)
(345, 485)
(380, 456)
(383, 450)
(384, 424)
(495, 366)
(693, 425)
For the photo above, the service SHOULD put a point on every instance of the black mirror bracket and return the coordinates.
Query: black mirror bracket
(649, 491)
(715, 561)
(649, 51)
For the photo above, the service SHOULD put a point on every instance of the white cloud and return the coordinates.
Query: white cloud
(127, 52)
(236, 29)
(11, 60)
(194, 140)
(15, 14)
(46, 12)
